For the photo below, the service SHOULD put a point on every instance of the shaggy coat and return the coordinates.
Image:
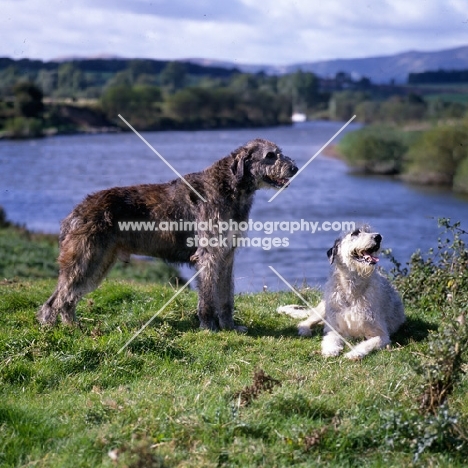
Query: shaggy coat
(358, 300)
(91, 238)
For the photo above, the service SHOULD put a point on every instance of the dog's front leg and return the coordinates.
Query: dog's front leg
(371, 344)
(207, 294)
(332, 343)
(226, 295)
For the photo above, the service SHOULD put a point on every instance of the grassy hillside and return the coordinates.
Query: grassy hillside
(179, 396)
(30, 255)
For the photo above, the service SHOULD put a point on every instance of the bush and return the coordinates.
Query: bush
(23, 127)
(28, 100)
(460, 180)
(437, 283)
(374, 150)
(438, 280)
(434, 158)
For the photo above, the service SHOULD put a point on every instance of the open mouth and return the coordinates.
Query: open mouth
(367, 256)
(277, 183)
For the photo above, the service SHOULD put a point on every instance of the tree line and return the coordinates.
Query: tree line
(153, 95)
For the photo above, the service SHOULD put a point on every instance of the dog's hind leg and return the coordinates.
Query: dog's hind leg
(84, 262)
(317, 314)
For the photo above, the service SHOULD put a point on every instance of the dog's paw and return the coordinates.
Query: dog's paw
(304, 330)
(354, 355)
(331, 352)
(241, 329)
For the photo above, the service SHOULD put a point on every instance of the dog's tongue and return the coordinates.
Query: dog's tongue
(369, 258)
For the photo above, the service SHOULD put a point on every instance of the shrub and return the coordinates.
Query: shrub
(434, 158)
(375, 150)
(23, 127)
(439, 280)
(440, 283)
(460, 180)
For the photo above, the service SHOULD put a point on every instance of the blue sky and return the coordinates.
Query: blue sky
(275, 32)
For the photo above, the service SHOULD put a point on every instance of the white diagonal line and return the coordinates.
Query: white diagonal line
(313, 157)
(161, 309)
(163, 159)
(308, 305)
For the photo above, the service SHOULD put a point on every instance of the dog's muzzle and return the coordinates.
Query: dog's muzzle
(281, 182)
(369, 256)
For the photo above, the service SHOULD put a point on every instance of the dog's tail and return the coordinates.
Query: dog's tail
(313, 316)
(294, 311)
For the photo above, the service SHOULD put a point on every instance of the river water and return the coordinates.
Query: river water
(41, 181)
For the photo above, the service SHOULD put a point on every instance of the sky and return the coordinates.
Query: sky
(270, 32)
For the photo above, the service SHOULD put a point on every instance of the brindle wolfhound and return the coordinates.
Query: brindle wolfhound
(91, 241)
(358, 300)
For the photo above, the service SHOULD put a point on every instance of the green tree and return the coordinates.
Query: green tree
(28, 100)
(302, 88)
(71, 80)
(138, 104)
(8, 78)
(193, 106)
(399, 110)
(343, 104)
(47, 80)
(244, 83)
(305, 89)
(173, 76)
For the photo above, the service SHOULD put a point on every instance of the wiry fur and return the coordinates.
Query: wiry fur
(90, 239)
(358, 301)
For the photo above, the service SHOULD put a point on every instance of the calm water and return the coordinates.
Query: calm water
(41, 181)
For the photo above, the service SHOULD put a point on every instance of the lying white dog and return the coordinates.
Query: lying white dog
(358, 301)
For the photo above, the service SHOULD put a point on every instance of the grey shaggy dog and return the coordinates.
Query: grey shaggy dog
(358, 301)
(91, 241)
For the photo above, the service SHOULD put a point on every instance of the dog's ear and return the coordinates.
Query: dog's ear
(237, 166)
(331, 253)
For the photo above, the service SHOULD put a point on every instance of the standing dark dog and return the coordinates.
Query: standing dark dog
(91, 238)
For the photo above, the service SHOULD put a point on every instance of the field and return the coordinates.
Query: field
(179, 396)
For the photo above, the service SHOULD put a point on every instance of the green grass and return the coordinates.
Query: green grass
(69, 399)
(29, 255)
(449, 97)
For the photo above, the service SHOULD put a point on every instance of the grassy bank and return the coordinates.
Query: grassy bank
(178, 396)
(30, 255)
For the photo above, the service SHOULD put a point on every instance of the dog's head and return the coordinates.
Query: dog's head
(261, 164)
(358, 250)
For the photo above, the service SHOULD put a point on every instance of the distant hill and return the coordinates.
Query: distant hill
(379, 69)
(113, 65)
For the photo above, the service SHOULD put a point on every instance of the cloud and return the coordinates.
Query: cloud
(199, 10)
(243, 31)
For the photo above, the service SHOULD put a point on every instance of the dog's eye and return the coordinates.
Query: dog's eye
(355, 232)
(270, 155)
